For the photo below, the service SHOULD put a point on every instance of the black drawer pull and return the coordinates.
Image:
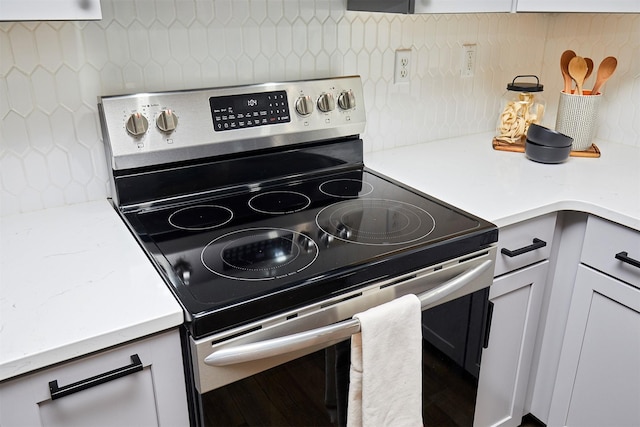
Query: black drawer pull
(537, 244)
(58, 392)
(624, 257)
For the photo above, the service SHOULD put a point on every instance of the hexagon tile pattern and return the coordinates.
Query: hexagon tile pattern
(51, 73)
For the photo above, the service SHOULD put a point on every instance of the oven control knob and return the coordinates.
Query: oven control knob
(344, 232)
(326, 239)
(346, 100)
(307, 244)
(137, 124)
(326, 102)
(304, 105)
(167, 121)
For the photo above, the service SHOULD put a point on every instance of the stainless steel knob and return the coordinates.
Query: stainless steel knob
(346, 100)
(304, 105)
(326, 102)
(344, 232)
(167, 121)
(137, 124)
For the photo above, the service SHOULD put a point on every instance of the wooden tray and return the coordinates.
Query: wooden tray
(518, 147)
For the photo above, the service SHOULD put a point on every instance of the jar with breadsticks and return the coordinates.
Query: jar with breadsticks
(521, 105)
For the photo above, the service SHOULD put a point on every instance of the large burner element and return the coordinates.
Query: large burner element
(259, 254)
(375, 222)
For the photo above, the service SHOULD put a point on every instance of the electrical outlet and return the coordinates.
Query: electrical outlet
(401, 71)
(468, 60)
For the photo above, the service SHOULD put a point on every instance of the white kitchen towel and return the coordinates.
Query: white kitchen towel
(385, 387)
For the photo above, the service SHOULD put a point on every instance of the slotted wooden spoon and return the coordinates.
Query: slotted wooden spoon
(578, 70)
(605, 70)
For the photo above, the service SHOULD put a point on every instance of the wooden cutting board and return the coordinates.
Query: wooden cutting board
(518, 147)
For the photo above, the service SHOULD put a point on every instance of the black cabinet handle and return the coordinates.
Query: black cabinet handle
(624, 257)
(58, 392)
(537, 244)
(487, 327)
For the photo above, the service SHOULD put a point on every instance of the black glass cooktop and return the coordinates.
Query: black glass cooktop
(237, 257)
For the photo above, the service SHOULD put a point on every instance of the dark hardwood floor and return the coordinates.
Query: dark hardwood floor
(293, 394)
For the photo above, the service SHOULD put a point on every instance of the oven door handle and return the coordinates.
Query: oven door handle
(334, 332)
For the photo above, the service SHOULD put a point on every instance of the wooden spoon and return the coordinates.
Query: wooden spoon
(605, 70)
(589, 68)
(577, 71)
(564, 67)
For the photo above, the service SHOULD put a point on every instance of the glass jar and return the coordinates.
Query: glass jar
(521, 105)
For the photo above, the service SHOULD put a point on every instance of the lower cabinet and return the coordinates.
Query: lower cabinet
(138, 384)
(598, 381)
(506, 362)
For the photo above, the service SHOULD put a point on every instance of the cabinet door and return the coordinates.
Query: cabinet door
(49, 10)
(611, 6)
(506, 362)
(598, 382)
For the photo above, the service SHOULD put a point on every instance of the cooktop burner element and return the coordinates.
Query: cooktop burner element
(346, 188)
(259, 254)
(376, 222)
(200, 217)
(279, 202)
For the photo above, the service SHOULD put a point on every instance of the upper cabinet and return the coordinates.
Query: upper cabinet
(609, 6)
(431, 6)
(50, 10)
(475, 6)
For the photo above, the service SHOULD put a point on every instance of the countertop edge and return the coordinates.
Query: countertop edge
(16, 368)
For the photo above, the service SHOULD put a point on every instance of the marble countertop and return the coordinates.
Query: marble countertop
(73, 280)
(505, 187)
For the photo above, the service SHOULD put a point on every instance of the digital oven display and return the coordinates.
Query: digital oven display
(247, 111)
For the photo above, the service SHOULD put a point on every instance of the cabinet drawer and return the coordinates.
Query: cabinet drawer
(136, 384)
(525, 243)
(612, 249)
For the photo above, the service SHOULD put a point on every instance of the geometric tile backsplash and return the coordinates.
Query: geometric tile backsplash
(51, 73)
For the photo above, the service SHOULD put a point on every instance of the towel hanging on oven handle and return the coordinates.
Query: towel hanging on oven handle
(334, 332)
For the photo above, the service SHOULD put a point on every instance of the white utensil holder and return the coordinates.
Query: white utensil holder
(577, 117)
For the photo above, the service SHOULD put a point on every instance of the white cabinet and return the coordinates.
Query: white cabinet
(431, 6)
(139, 384)
(461, 6)
(49, 10)
(473, 6)
(516, 294)
(598, 379)
(610, 6)
(506, 362)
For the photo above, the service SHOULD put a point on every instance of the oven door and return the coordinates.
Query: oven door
(308, 348)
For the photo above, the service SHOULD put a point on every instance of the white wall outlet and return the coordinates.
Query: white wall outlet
(401, 70)
(468, 64)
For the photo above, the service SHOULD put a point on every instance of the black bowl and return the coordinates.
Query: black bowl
(544, 154)
(544, 136)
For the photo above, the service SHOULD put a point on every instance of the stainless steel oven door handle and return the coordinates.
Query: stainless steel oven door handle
(335, 332)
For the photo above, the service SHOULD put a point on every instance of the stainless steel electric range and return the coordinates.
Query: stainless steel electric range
(255, 206)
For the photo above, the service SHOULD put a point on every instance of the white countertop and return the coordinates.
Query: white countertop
(505, 188)
(73, 280)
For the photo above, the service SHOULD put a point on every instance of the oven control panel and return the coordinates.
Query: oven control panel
(245, 111)
(148, 129)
